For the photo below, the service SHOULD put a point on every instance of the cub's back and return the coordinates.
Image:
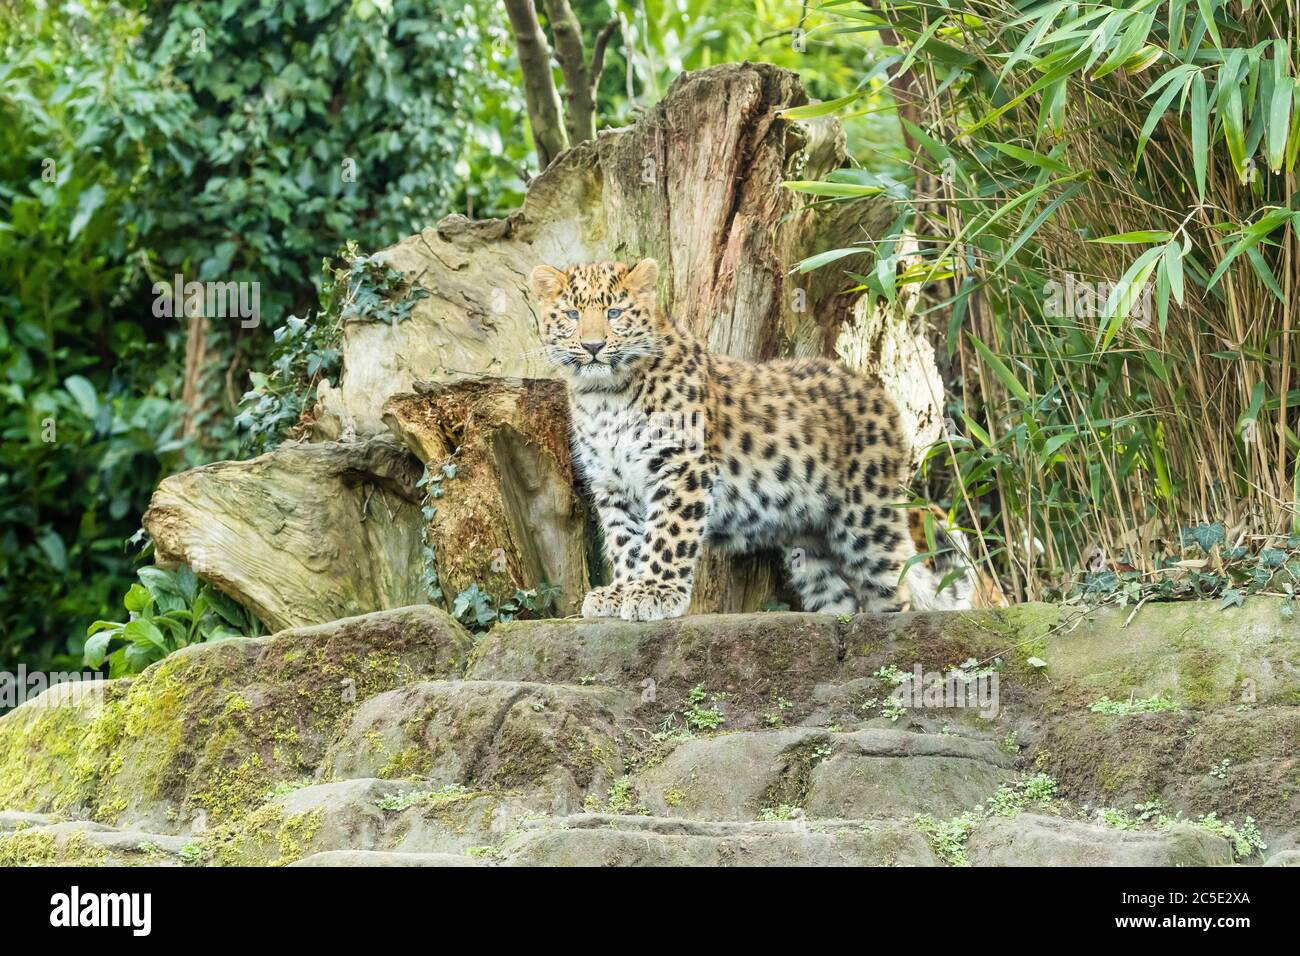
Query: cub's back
(815, 402)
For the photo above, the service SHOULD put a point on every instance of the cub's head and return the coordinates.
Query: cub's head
(599, 320)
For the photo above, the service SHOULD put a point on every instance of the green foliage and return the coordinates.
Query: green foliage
(667, 37)
(168, 610)
(1096, 220)
(1223, 573)
(948, 837)
(478, 610)
(236, 141)
(88, 419)
(701, 712)
(1123, 708)
(363, 289)
(620, 798)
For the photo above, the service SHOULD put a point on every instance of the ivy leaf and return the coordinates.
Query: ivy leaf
(1232, 597)
(1205, 536)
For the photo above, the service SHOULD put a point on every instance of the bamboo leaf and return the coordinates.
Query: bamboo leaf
(1279, 110)
(1173, 266)
(1207, 8)
(826, 108)
(999, 368)
(1200, 132)
(839, 190)
(1141, 236)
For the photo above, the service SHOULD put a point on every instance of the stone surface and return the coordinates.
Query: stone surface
(769, 739)
(752, 659)
(383, 858)
(83, 843)
(488, 734)
(1031, 840)
(205, 733)
(866, 774)
(601, 840)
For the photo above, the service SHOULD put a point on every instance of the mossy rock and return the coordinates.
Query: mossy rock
(499, 735)
(201, 736)
(366, 815)
(86, 844)
(603, 840)
(747, 660)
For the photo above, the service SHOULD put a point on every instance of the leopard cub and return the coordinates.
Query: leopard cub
(680, 447)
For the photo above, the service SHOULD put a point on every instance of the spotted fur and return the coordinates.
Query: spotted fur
(679, 446)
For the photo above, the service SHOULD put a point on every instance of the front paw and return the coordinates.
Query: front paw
(653, 602)
(605, 601)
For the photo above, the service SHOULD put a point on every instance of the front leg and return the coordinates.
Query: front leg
(622, 525)
(676, 512)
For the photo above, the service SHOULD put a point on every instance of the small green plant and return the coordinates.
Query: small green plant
(776, 718)
(1040, 788)
(619, 798)
(1245, 839)
(1221, 771)
(779, 813)
(1117, 819)
(483, 853)
(699, 717)
(890, 707)
(191, 854)
(948, 837)
(282, 788)
(1143, 705)
(397, 802)
(168, 610)
(1010, 800)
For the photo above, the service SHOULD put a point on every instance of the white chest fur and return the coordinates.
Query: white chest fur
(610, 442)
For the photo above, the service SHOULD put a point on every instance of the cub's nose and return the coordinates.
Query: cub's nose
(593, 347)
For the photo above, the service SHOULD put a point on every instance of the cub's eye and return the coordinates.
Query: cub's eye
(573, 314)
(614, 313)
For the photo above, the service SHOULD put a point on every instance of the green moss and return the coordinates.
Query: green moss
(795, 782)
(410, 762)
(265, 836)
(28, 849)
(189, 733)
(41, 848)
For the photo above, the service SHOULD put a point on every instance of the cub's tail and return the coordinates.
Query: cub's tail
(947, 579)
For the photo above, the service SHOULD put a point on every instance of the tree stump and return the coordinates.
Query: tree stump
(505, 512)
(697, 184)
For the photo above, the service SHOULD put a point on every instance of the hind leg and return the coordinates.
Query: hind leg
(870, 547)
(815, 578)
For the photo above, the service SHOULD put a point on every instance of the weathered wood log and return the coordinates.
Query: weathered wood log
(696, 183)
(303, 535)
(507, 515)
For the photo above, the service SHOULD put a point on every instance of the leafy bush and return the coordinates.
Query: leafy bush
(1147, 144)
(242, 141)
(168, 610)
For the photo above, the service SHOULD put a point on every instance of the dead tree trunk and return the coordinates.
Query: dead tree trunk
(696, 184)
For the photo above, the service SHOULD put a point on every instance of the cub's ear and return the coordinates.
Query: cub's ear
(547, 282)
(641, 280)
